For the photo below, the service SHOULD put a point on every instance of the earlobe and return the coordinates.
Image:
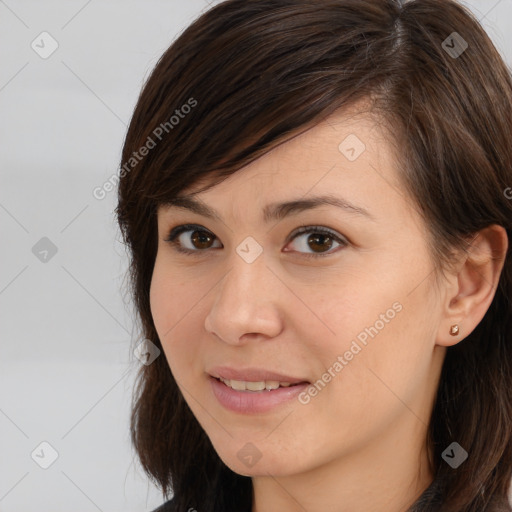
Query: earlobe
(472, 288)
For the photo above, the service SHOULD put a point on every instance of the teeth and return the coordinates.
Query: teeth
(253, 386)
(240, 385)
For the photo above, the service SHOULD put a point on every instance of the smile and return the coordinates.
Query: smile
(254, 397)
(241, 385)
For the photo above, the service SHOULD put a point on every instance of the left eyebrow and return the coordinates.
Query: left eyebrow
(274, 211)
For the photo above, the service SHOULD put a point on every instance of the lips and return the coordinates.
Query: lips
(253, 375)
(255, 402)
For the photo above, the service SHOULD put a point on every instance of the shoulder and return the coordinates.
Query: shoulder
(168, 506)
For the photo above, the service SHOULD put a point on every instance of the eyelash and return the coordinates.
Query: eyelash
(178, 230)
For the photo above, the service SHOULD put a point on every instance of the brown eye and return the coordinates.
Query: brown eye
(201, 239)
(195, 240)
(318, 242)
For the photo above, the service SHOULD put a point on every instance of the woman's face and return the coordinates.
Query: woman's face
(352, 313)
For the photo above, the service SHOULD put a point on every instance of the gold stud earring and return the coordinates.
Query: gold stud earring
(454, 330)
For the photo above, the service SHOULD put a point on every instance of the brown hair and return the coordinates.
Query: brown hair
(255, 73)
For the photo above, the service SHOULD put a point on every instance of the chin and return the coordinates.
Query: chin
(250, 462)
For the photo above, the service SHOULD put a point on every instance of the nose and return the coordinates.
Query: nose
(246, 304)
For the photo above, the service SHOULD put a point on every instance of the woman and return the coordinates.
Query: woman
(316, 197)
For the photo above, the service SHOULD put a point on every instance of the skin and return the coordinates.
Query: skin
(360, 443)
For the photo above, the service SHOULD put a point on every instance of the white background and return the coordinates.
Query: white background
(66, 331)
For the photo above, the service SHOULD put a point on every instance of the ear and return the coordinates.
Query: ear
(471, 288)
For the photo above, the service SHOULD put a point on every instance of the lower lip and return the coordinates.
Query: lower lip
(252, 402)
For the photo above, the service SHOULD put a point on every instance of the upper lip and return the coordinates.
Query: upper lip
(252, 375)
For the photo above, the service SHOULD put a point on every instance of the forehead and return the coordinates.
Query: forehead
(343, 140)
(344, 159)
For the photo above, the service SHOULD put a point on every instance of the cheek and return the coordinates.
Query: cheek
(171, 295)
(170, 300)
(161, 299)
(387, 375)
(385, 336)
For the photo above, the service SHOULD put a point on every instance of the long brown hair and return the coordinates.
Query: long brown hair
(248, 75)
